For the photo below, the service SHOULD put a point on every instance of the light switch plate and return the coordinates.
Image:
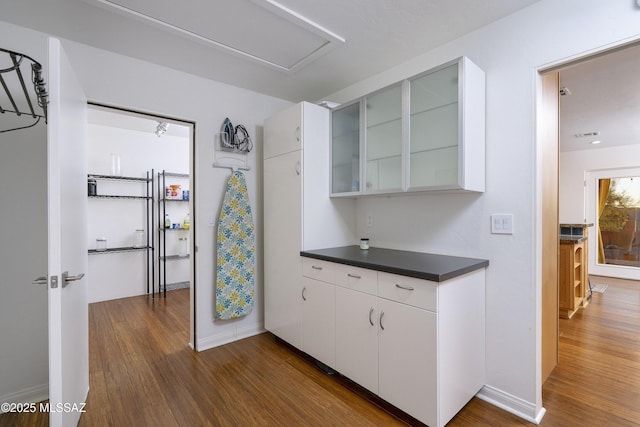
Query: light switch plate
(502, 224)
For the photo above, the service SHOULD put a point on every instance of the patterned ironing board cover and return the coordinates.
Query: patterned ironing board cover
(235, 252)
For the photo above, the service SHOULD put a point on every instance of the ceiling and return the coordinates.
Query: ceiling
(315, 48)
(605, 98)
(305, 49)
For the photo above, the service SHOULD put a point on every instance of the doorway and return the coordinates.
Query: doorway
(591, 138)
(141, 232)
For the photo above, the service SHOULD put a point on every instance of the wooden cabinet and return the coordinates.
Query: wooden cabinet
(417, 344)
(425, 133)
(573, 277)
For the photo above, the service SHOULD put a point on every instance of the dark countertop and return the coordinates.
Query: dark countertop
(436, 268)
(583, 225)
(568, 239)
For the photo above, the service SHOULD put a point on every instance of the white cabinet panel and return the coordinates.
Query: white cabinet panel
(408, 290)
(282, 243)
(357, 337)
(407, 351)
(319, 270)
(357, 278)
(283, 132)
(318, 320)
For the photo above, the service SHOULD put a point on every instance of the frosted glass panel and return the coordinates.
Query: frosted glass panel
(434, 129)
(384, 140)
(345, 149)
(434, 167)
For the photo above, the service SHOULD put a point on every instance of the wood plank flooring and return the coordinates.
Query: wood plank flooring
(143, 373)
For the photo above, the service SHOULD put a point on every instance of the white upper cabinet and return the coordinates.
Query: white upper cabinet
(384, 140)
(345, 149)
(425, 133)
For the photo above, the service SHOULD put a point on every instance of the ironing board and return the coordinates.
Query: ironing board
(236, 252)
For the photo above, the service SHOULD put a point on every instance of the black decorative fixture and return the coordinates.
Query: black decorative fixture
(19, 96)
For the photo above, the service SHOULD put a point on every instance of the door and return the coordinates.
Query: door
(548, 155)
(67, 251)
(357, 337)
(282, 244)
(613, 205)
(407, 359)
(319, 320)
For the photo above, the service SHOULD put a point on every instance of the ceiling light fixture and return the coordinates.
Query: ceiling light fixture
(595, 142)
(564, 91)
(161, 128)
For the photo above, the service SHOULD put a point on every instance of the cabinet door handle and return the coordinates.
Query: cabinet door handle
(381, 325)
(355, 276)
(303, 297)
(297, 133)
(370, 313)
(406, 288)
(316, 268)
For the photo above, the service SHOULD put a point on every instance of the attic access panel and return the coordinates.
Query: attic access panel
(260, 30)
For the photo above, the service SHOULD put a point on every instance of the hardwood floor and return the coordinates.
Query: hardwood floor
(143, 373)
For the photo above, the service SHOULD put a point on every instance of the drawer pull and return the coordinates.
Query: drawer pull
(316, 267)
(355, 276)
(370, 313)
(381, 325)
(406, 288)
(303, 297)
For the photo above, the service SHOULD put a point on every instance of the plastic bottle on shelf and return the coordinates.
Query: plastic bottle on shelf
(139, 238)
(167, 221)
(186, 224)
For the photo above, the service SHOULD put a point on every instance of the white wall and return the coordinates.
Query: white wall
(24, 357)
(509, 51)
(573, 167)
(117, 80)
(124, 274)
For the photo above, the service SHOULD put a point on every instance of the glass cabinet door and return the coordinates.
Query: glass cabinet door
(434, 129)
(384, 140)
(345, 149)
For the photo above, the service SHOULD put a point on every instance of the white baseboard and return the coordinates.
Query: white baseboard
(250, 331)
(229, 336)
(29, 395)
(510, 403)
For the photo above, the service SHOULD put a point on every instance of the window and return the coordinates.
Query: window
(618, 220)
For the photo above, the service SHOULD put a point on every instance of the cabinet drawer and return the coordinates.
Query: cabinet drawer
(359, 279)
(319, 270)
(408, 290)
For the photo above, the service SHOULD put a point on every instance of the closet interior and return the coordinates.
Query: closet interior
(139, 181)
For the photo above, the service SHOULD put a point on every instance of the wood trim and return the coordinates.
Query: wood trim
(548, 127)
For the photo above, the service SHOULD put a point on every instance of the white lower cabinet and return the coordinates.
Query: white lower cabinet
(357, 337)
(418, 344)
(319, 320)
(407, 359)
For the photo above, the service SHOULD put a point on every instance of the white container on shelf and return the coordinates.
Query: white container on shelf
(101, 244)
(138, 240)
(183, 246)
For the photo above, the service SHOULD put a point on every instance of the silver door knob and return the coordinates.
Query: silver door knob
(42, 280)
(66, 279)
